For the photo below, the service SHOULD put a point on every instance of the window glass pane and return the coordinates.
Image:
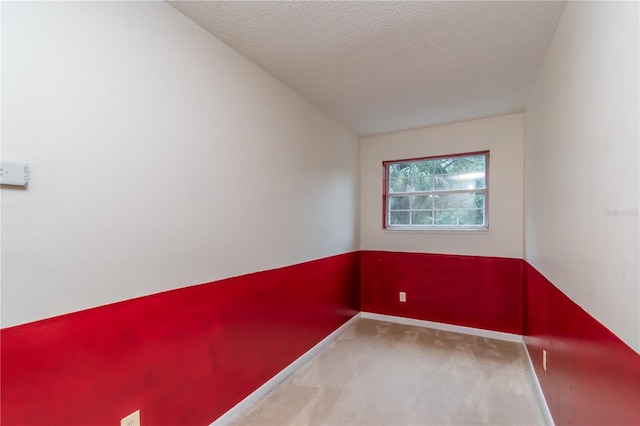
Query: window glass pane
(422, 202)
(481, 183)
(473, 163)
(441, 183)
(421, 168)
(422, 218)
(471, 180)
(471, 201)
(480, 201)
(455, 167)
(398, 218)
(479, 217)
(471, 217)
(414, 182)
(394, 169)
(466, 201)
(399, 203)
(399, 184)
(445, 217)
(445, 201)
(427, 167)
(422, 183)
(444, 166)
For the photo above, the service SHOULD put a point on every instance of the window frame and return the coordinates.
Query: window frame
(435, 228)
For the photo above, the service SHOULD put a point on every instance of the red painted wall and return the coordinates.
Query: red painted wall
(592, 377)
(182, 357)
(186, 356)
(481, 292)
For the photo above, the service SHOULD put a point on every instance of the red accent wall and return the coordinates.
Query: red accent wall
(186, 356)
(592, 377)
(182, 357)
(481, 292)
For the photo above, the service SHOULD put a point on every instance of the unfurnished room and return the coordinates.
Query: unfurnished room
(320, 213)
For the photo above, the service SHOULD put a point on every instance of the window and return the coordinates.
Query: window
(437, 193)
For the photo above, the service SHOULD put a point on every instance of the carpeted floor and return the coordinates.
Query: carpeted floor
(378, 373)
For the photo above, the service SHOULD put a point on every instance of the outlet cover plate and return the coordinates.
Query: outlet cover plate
(132, 419)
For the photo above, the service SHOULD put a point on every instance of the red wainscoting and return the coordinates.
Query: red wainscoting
(182, 357)
(186, 356)
(481, 292)
(592, 377)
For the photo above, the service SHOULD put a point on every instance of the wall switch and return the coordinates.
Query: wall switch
(14, 173)
(132, 419)
(403, 296)
(544, 360)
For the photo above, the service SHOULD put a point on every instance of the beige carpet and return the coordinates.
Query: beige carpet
(378, 373)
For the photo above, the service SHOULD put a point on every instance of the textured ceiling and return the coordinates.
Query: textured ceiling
(389, 65)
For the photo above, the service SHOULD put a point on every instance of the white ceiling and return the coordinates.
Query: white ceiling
(390, 65)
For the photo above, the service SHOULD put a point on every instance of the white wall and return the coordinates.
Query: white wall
(502, 135)
(160, 158)
(581, 164)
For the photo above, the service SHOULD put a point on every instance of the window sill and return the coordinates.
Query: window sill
(483, 230)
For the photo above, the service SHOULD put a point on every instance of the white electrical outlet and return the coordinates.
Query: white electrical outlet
(403, 296)
(544, 360)
(132, 419)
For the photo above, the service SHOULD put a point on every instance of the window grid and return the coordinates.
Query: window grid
(453, 212)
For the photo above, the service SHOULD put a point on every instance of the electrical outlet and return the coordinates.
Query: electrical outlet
(403, 296)
(132, 419)
(544, 360)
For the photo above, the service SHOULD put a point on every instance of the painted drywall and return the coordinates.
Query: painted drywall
(591, 377)
(160, 158)
(182, 357)
(581, 164)
(502, 135)
(472, 291)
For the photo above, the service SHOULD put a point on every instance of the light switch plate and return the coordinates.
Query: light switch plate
(14, 173)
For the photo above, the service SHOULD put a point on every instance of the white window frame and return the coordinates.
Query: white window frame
(410, 227)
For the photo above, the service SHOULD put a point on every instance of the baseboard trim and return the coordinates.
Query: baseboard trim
(536, 384)
(499, 335)
(259, 393)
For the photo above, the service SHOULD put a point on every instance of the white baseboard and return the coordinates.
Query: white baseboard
(498, 335)
(536, 384)
(256, 395)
